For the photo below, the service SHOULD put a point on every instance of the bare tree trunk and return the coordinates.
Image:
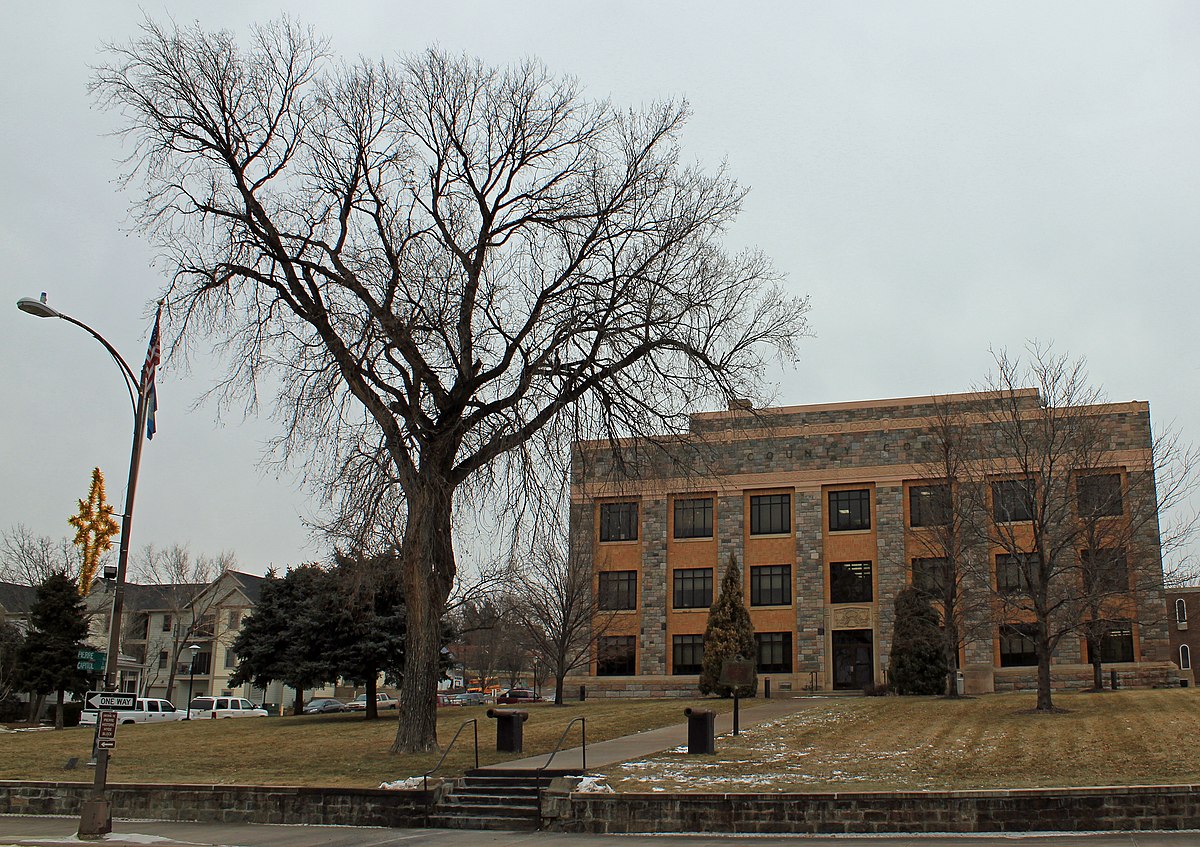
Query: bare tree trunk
(1044, 701)
(58, 710)
(951, 645)
(1093, 647)
(558, 689)
(427, 565)
(372, 712)
(298, 706)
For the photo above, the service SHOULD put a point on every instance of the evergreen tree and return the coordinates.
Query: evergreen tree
(289, 636)
(57, 628)
(918, 661)
(729, 634)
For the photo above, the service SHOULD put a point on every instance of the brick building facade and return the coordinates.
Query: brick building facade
(820, 505)
(1183, 613)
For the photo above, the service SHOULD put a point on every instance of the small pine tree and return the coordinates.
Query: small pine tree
(918, 661)
(729, 634)
(57, 628)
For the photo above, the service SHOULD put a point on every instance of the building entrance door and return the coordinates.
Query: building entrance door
(853, 659)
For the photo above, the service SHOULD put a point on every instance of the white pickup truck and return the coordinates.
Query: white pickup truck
(149, 710)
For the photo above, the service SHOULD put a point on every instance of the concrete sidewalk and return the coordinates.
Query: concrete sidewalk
(756, 711)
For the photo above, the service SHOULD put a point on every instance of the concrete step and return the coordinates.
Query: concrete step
(488, 823)
(487, 810)
(483, 799)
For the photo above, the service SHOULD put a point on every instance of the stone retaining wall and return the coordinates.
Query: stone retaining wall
(1062, 810)
(229, 803)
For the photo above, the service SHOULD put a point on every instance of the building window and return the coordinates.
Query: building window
(1116, 645)
(930, 575)
(202, 663)
(774, 652)
(770, 514)
(694, 518)
(166, 623)
(1100, 496)
(1012, 500)
(618, 521)
(1105, 571)
(1012, 573)
(1017, 649)
(1180, 611)
(687, 653)
(849, 510)
(163, 658)
(206, 627)
(616, 655)
(850, 582)
(235, 618)
(770, 585)
(230, 658)
(618, 590)
(929, 505)
(693, 588)
(1185, 657)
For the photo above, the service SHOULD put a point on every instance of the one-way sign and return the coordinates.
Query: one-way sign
(115, 700)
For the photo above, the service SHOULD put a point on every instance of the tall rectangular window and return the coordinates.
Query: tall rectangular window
(166, 623)
(235, 619)
(770, 514)
(202, 663)
(230, 658)
(850, 582)
(687, 654)
(163, 658)
(616, 655)
(1100, 495)
(931, 575)
(693, 588)
(774, 652)
(694, 518)
(1116, 645)
(1017, 647)
(1105, 571)
(929, 505)
(770, 585)
(1013, 500)
(1012, 573)
(618, 590)
(849, 510)
(618, 521)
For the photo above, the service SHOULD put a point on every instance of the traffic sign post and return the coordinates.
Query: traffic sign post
(107, 736)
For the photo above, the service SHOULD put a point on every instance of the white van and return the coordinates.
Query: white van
(149, 710)
(223, 707)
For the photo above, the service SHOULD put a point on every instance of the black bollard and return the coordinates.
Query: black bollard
(767, 688)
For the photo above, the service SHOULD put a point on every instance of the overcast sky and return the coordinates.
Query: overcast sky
(941, 178)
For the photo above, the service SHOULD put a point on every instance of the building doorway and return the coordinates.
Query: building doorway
(853, 659)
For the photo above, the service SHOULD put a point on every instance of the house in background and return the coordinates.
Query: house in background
(1183, 624)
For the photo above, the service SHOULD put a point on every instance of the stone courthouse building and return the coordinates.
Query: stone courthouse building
(822, 507)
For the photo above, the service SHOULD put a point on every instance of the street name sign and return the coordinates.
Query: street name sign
(90, 660)
(107, 734)
(104, 700)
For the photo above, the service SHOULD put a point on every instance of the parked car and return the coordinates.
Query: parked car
(518, 695)
(469, 698)
(149, 710)
(383, 701)
(202, 708)
(321, 705)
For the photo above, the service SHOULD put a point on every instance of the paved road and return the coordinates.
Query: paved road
(55, 832)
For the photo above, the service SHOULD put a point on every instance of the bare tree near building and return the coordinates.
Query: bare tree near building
(182, 581)
(559, 611)
(1055, 570)
(28, 559)
(449, 267)
(947, 552)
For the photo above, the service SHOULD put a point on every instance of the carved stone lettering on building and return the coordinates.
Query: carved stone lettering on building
(852, 618)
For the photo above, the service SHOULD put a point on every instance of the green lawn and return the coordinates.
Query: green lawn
(341, 750)
(916, 743)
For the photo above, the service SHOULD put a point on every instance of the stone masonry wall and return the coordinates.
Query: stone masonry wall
(810, 585)
(652, 655)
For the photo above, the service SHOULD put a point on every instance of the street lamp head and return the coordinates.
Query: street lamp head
(38, 308)
(195, 648)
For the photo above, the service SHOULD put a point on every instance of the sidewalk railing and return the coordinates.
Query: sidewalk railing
(540, 772)
(475, 726)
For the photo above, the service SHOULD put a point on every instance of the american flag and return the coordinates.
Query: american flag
(153, 354)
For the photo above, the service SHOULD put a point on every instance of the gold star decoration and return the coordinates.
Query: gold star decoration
(94, 530)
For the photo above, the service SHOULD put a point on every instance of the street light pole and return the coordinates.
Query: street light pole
(96, 817)
(194, 648)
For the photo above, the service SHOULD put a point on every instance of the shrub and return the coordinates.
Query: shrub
(918, 660)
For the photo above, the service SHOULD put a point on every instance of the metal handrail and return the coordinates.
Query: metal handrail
(582, 721)
(446, 752)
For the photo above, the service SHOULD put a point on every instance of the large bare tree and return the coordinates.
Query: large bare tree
(449, 268)
(28, 559)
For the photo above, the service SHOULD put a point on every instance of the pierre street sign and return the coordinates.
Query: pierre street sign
(90, 660)
(105, 700)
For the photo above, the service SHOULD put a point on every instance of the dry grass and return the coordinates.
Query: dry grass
(329, 750)
(909, 743)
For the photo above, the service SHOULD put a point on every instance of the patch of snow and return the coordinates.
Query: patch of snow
(594, 785)
(410, 784)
